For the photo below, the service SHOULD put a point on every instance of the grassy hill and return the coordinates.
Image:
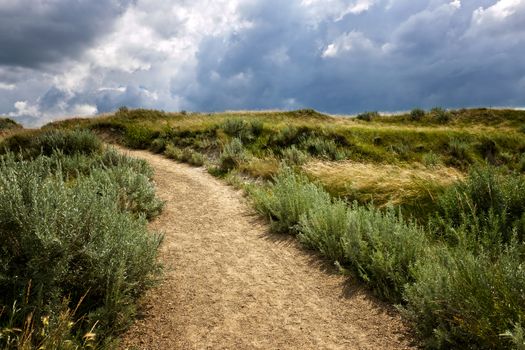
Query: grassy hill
(426, 207)
(429, 148)
(7, 125)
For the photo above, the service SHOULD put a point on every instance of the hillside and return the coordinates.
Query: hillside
(7, 125)
(426, 209)
(445, 143)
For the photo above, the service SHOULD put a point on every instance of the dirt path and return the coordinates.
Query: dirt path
(230, 284)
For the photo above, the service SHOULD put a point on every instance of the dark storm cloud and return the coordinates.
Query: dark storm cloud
(260, 67)
(36, 32)
(388, 58)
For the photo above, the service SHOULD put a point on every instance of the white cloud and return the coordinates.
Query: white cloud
(24, 108)
(117, 89)
(84, 110)
(497, 12)
(504, 21)
(335, 10)
(456, 4)
(34, 112)
(348, 42)
(357, 7)
(5, 86)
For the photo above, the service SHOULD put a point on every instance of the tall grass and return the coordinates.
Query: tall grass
(414, 188)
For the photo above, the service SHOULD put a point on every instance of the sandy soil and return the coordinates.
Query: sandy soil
(230, 284)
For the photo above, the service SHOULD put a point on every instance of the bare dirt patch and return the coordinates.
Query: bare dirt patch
(230, 284)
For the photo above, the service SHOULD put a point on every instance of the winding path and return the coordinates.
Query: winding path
(230, 284)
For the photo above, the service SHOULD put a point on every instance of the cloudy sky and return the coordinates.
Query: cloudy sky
(82, 57)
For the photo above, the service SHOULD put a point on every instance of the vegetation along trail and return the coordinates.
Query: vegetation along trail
(230, 284)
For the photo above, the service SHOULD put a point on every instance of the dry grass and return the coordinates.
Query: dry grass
(381, 183)
(264, 168)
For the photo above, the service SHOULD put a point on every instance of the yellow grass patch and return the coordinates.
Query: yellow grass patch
(260, 168)
(383, 184)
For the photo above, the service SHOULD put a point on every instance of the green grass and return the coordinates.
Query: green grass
(471, 137)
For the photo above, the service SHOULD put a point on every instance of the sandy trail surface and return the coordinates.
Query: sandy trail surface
(229, 283)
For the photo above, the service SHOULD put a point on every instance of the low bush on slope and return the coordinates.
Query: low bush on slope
(75, 250)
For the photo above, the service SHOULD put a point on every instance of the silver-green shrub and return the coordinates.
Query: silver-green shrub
(287, 199)
(73, 238)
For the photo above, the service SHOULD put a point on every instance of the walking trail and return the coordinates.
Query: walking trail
(229, 283)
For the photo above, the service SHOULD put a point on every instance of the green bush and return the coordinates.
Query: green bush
(232, 155)
(139, 137)
(246, 131)
(440, 115)
(383, 247)
(462, 300)
(380, 246)
(288, 136)
(158, 145)
(431, 159)
(186, 155)
(32, 144)
(488, 149)
(322, 147)
(286, 199)
(173, 152)
(83, 239)
(294, 156)
(322, 228)
(196, 159)
(460, 151)
(72, 166)
(486, 210)
(417, 114)
(401, 150)
(113, 158)
(192, 157)
(136, 194)
(367, 116)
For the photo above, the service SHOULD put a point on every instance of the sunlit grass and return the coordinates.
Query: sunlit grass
(382, 184)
